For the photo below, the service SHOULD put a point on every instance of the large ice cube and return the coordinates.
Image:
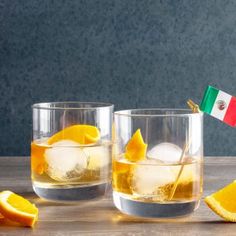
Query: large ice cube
(149, 175)
(65, 161)
(166, 152)
(98, 157)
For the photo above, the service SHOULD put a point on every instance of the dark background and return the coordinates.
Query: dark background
(131, 53)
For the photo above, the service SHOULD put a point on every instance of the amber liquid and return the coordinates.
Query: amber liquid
(189, 185)
(95, 172)
(137, 195)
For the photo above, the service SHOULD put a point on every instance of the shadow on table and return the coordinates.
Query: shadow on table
(103, 210)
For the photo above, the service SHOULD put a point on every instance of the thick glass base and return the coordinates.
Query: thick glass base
(70, 193)
(153, 210)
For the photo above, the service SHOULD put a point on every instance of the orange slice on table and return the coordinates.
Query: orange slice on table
(18, 209)
(82, 134)
(223, 202)
(136, 148)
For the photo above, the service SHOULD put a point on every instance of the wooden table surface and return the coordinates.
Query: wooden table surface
(102, 218)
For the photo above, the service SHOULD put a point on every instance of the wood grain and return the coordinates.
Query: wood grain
(100, 217)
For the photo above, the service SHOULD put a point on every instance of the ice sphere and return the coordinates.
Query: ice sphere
(166, 152)
(149, 175)
(98, 157)
(65, 161)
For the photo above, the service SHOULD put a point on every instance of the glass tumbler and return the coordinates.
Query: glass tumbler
(157, 162)
(71, 150)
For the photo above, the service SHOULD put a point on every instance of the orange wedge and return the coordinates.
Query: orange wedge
(136, 148)
(223, 202)
(82, 134)
(18, 209)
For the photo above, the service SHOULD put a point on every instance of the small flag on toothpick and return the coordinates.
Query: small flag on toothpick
(220, 105)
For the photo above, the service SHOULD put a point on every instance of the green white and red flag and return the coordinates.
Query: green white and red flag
(220, 105)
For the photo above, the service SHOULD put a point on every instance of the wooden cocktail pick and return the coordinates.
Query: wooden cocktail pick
(193, 106)
(181, 161)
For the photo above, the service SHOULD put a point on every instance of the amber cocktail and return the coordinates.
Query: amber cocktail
(71, 150)
(157, 164)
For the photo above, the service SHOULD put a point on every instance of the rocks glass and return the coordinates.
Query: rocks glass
(71, 150)
(157, 162)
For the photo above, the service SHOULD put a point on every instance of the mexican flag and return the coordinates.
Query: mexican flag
(220, 105)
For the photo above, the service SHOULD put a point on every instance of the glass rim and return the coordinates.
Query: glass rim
(59, 105)
(178, 112)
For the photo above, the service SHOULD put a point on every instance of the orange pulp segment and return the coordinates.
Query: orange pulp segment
(223, 202)
(82, 134)
(37, 158)
(136, 148)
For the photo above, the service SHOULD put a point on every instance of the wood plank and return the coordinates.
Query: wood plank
(100, 217)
